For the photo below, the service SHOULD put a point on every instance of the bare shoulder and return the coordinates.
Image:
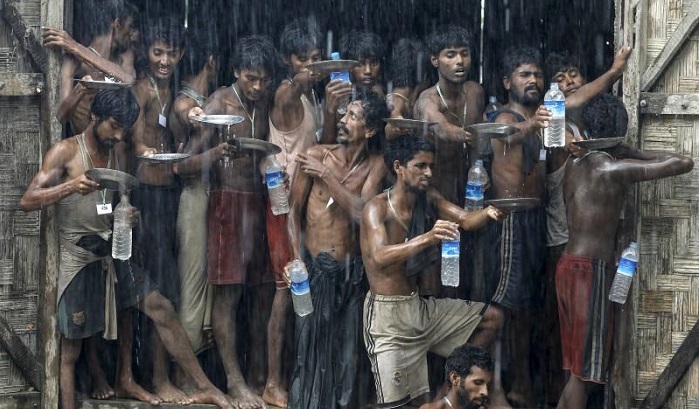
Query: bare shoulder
(142, 90)
(376, 207)
(427, 95)
(318, 151)
(474, 89)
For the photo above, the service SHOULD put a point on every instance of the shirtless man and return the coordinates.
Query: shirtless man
(368, 49)
(294, 121)
(518, 171)
(85, 254)
(107, 30)
(594, 189)
(328, 195)
(469, 371)
(400, 231)
(453, 103)
(158, 192)
(236, 202)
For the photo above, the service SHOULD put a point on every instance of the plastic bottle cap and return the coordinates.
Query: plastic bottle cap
(479, 162)
(554, 85)
(633, 244)
(335, 55)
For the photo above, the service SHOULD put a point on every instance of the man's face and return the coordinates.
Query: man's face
(108, 133)
(123, 33)
(366, 74)
(352, 126)
(417, 172)
(569, 80)
(525, 85)
(472, 390)
(298, 62)
(253, 82)
(162, 60)
(453, 63)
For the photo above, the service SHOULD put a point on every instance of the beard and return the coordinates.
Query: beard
(104, 145)
(464, 402)
(525, 98)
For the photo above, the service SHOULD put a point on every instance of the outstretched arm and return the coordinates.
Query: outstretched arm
(601, 83)
(466, 220)
(427, 109)
(655, 165)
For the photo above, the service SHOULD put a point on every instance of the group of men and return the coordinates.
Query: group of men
(205, 235)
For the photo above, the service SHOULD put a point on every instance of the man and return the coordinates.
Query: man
(577, 91)
(368, 49)
(453, 103)
(469, 371)
(518, 171)
(86, 266)
(331, 187)
(236, 201)
(594, 189)
(106, 28)
(400, 231)
(158, 192)
(294, 121)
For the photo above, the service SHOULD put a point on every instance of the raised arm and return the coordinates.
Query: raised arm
(334, 92)
(200, 145)
(656, 165)
(531, 126)
(426, 108)
(287, 109)
(466, 220)
(601, 83)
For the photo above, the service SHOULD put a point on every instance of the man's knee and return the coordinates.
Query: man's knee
(158, 308)
(493, 319)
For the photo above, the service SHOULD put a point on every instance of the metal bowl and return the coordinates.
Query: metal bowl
(492, 130)
(326, 67)
(602, 143)
(268, 148)
(161, 158)
(219, 119)
(513, 204)
(91, 84)
(112, 179)
(405, 123)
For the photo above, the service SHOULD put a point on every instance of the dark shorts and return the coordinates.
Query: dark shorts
(518, 259)
(155, 236)
(586, 316)
(278, 244)
(236, 225)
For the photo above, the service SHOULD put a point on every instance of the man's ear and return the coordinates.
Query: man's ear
(454, 379)
(506, 82)
(397, 167)
(434, 59)
(369, 133)
(236, 74)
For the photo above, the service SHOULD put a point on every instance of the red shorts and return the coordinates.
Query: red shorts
(586, 316)
(278, 244)
(235, 221)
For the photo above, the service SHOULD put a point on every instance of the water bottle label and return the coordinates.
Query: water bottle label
(274, 179)
(474, 191)
(557, 108)
(626, 267)
(301, 288)
(340, 75)
(450, 249)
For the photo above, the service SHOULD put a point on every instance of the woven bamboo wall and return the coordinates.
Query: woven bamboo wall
(668, 304)
(19, 231)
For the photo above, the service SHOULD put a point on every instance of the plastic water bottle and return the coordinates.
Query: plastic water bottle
(477, 179)
(121, 238)
(300, 289)
(342, 76)
(450, 262)
(555, 101)
(624, 274)
(274, 177)
(493, 106)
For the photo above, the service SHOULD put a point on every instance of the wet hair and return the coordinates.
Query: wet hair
(404, 149)
(466, 356)
(166, 29)
(256, 52)
(361, 45)
(604, 116)
(517, 56)
(119, 104)
(300, 36)
(560, 62)
(410, 63)
(448, 36)
(202, 42)
(95, 17)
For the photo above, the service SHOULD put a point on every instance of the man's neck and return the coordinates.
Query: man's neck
(248, 105)
(102, 44)
(200, 82)
(450, 90)
(163, 84)
(94, 148)
(524, 110)
(402, 197)
(356, 153)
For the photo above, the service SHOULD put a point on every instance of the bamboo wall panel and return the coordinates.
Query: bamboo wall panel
(668, 280)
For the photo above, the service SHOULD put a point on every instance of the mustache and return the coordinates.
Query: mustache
(341, 126)
(532, 87)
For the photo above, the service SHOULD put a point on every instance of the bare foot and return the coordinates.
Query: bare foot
(275, 395)
(131, 390)
(244, 398)
(101, 389)
(170, 394)
(214, 397)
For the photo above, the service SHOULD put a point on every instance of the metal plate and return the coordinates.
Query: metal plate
(160, 158)
(112, 179)
(492, 130)
(219, 119)
(326, 67)
(518, 203)
(102, 84)
(267, 148)
(405, 123)
(602, 143)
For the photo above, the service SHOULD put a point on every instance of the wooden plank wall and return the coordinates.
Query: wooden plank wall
(668, 284)
(19, 232)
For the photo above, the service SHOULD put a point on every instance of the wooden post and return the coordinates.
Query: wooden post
(51, 16)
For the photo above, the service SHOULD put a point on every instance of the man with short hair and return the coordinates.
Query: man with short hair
(594, 190)
(236, 201)
(469, 371)
(400, 231)
(328, 195)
